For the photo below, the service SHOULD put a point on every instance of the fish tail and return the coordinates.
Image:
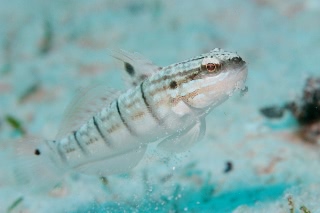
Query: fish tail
(31, 163)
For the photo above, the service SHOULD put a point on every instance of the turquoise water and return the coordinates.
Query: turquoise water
(51, 48)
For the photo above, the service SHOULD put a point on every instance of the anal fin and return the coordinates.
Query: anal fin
(119, 163)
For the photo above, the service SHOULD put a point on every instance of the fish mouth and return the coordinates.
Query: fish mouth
(241, 76)
(243, 69)
(237, 76)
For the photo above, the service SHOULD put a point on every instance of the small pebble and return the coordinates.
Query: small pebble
(272, 112)
(229, 167)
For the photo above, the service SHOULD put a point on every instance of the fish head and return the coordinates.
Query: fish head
(218, 74)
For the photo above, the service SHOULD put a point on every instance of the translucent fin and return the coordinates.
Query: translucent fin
(184, 140)
(32, 170)
(116, 164)
(86, 103)
(136, 66)
(182, 108)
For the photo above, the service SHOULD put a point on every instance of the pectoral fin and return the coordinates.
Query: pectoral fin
(184, 140)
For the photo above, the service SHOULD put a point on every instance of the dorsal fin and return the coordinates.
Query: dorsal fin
(136, 66)
(86, 103)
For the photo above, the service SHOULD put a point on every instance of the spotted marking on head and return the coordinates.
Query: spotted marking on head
(173, 85)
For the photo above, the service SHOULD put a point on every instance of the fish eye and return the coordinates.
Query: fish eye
(211, 67)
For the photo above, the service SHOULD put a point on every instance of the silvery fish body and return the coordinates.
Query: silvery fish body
(165, 104)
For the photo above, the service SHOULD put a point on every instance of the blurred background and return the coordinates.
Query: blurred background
(247, 161)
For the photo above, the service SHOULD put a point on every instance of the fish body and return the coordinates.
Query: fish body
(166, 104)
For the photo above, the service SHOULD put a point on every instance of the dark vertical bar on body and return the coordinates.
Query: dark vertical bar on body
(123, 121)
(148, 105)
(60, 152)
(95, 123)
(78, 143)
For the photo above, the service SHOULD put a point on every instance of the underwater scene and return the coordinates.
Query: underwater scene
(159, 106)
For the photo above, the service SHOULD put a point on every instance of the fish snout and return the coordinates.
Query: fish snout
(238, 61)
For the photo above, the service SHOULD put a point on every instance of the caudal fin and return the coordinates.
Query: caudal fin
(29, 164)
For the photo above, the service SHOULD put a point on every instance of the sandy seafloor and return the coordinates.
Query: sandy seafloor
(58, 46)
